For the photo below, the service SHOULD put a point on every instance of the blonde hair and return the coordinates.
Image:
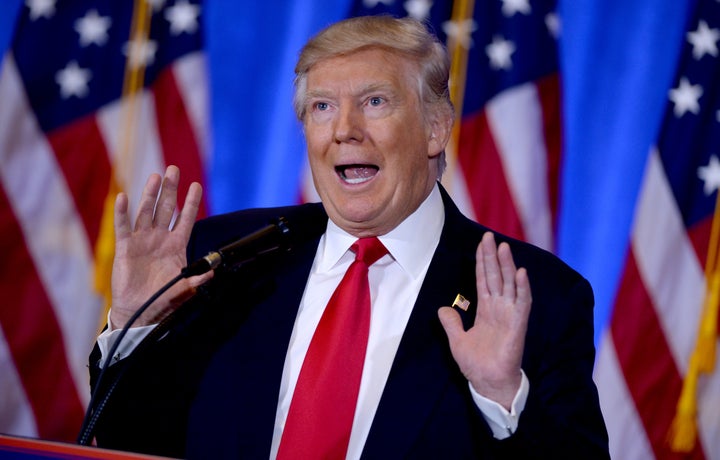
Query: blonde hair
(406, 37)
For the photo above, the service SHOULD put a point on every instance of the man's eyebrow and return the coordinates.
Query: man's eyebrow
(362, 91)
(371, 88)
(316, 94)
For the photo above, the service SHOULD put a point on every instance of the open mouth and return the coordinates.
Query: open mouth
(356, 173)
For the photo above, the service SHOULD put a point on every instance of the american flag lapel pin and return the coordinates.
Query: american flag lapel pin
(461, 302)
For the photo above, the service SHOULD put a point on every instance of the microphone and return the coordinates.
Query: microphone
(268, 239)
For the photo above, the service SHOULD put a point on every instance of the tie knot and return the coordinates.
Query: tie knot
(368, 250)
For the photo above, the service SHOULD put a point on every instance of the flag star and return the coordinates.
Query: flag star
(704, 40)
(500, 52)
(553, 24)
(373, 3)
(510, 7)
(710, 175)
(73, 80)
(141, 53)
(685, 97)
(183, 17)
(93, 28)
(418, 9)
(460, 32)
(41, 8)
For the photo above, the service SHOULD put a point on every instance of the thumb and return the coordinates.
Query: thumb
(451, 322)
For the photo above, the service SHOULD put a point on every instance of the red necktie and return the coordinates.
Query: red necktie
(323, 405)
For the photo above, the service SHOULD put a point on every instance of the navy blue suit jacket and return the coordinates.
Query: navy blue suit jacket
(225, 351)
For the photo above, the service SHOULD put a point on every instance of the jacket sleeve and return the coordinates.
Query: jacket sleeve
(562, 417)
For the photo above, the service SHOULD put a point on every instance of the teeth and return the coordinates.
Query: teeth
(357, 174)
(357, 180)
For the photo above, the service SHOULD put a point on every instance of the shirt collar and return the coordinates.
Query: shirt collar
(411, 244)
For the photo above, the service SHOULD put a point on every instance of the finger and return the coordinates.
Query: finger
(524, 293)
(508, 270)
(122, 220)
(167, 202)
(451, 322)
(146, 206)
(199, 280)
(493, 277)
(480, 281)
(186, 219)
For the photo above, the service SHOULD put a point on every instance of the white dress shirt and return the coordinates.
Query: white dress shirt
(395, 282)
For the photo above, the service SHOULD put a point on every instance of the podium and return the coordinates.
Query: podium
(17, 448)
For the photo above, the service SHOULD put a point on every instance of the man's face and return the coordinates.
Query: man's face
(372, 151)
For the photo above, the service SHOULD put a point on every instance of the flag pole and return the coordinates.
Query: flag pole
(462, 11)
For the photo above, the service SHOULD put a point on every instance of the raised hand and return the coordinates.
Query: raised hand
(152, 253)
(489, 354)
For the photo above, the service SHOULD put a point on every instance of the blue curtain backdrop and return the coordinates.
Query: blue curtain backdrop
(617, 58)
(252, 48)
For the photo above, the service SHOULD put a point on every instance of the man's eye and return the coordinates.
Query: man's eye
(321, 106)
(375, 101)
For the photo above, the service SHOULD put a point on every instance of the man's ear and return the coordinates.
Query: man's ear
(440, 130)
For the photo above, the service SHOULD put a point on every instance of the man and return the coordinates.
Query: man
(224, 376)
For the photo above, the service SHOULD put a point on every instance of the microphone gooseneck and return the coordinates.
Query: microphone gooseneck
(268, 239)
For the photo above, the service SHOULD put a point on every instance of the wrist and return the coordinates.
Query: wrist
(502, 391)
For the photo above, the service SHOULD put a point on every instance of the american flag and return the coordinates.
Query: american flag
(503, 162)
(70, 126)
(649, 355)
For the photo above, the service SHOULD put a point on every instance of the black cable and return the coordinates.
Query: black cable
(93, 413)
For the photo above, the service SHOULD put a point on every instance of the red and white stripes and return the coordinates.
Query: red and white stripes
(52, 187)
(643, 356)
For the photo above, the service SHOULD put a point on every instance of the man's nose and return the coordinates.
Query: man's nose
(349, 125)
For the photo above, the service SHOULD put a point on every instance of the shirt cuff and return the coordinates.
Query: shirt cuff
(132, 339)
(503, 423)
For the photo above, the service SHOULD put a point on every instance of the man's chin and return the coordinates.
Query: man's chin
(360, 223)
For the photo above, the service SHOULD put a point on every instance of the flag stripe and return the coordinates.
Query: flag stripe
(653, 383)
(86, 168)
(516, 122)
(479, 159)
(16, 415)
(660, 294)
(191, 78)
(550, 104)
(670, 270)
(454, 182)
(626, 432)
(34, 338)
(144, 156)
(35, 204)
(175, 131)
